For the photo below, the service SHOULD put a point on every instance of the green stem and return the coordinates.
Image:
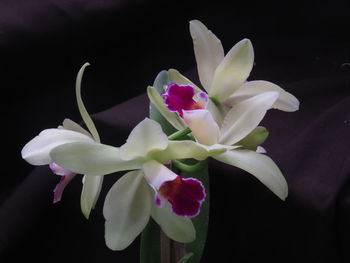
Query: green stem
(189, 168)
(179, 134)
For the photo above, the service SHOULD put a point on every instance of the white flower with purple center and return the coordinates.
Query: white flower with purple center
(224, 77)
(37, 152)
(240, 122)
(150, 189)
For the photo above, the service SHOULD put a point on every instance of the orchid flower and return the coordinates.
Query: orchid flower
(129, 203)
(37, 152)
(239, 123)
(224, 78)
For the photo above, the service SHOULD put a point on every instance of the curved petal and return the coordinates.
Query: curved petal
(188, 149)
(58, 191)
(233, 70)
(83, 112)
(202, 125)
(285, 101)
(147, 136)
(176, 77)
(93, 159)
(91, 190)
(127, 209)
(259, 165)
(158, 102)
(208, 52)
(68, 124)
(178, 228)
(244, 117)
(37, 151)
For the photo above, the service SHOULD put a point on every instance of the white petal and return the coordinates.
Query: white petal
(202, 125)
(208, 52)
(176, 77)
(233, 70)
(84, 114)
(285, 101)
(73, 126)
(188, 149)
(245, 117)
(127, 209)
(146, 137)
(91, 190)
(158, 102)
(259, 165)
(177, 228)
(92, 159)
(215, 112)
(37, 151)
(156, 174)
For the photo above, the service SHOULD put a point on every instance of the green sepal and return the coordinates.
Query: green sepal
(160, 82)
(254, 139)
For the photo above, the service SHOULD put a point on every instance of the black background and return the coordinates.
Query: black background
(44, 43)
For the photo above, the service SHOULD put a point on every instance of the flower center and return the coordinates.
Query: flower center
(184, 194)
(183, 97)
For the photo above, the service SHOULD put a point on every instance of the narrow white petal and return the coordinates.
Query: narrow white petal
(233, 70)
(202, 125)
(178, 228)
(92, 159)
(245, 117)
(127, 209)
(91, 190)
(146, 137)
(73, 126)
(259, 165)
(285, 101)
(188, 149)
(156, 174)
(208, 52)
(158, 102)
(37, 151)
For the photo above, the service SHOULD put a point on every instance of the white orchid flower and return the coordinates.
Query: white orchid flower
(37, 152)
(129, 203)
(186, 104)
(225, 77)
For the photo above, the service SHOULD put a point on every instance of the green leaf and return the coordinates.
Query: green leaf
(201, 221)
(186, 258)
(161, 80)
(150, 243)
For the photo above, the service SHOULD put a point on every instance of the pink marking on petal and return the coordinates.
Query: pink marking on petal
(185, 195)
(66, 177)
(158, 201)
(56, 169)
(180, 97)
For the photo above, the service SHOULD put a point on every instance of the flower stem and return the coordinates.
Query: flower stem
(179, 134)
(170, 250)
(189, 167)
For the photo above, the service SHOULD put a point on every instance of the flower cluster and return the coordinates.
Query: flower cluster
(221, 121)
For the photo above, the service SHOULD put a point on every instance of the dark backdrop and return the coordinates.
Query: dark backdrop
(44, 43)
